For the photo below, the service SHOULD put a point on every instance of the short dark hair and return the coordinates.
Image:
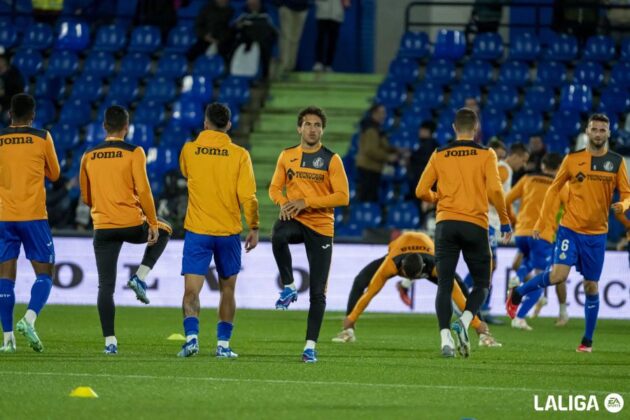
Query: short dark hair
(598, 117)
(116, 118)
(518, 149)
(312, 110)
(497, 144)
(428, 125)
(465, 119)
(22, 107)
(552, 160)
(412, 264)
(218, 115)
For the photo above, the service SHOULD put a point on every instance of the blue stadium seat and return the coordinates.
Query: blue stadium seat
(75, 112)
(95, 133)
(38, 36)
(175, 134)
(576, 98)
(614, 100)
(29, 62)
(366, 215)
(478, 72)
(551, 73)
(620, 75)
(135, 65)
(588, 73)
(565, 122)
(503, 97)
(487, 46)
(235, 91)
(180, 39)
(563, 47)
(188, 113)
(624, 53)
(172, 66)
(65, 136)
(414, 45)
(191, 11)
(45, 114)
(524, 47)
(160, 89)
(236, 117)
(148, 112)
(540, 98)
(600, 48)
(72, 35)
(461, 92)
(87, 88)
(146, 39)
(110, 38)
(444, 134)
(527, 122)
(213, 66)
(428, 95)
(124, 88)
(390, 93)
(493, 122)
(112, 100)
(62, 64)
(440, 72)
(514, 136)
(403, 215)
(557, 142)
(141, 135)
(8, 35)
(412, 118)
(449, 45)
(197, 88)
(99, 64)
(46, 88)
(404, 70)
(514, 73)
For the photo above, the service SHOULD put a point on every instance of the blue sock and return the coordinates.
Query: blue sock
(528, 302)
(523, 271)
(468, 281)
(7, 302)
(486, 304)
(224, 331)
(539, 282)
(40, 292)
(191, 325)
(591, 309)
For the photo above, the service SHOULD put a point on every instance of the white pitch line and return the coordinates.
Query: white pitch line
(322, 383)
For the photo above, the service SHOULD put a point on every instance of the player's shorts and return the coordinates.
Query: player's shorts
(34, 235)
(199, 250)
(585, 252)
(540, 253)
(522, 243)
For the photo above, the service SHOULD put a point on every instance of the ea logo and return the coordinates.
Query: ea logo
(318, 163)
(613, 402)
(608, 166)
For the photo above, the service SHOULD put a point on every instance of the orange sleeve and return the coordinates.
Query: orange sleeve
(494, 187)
(426, 182)
(246, 190)
(549, 209)
(278, 181)
(339, 183)
(623, 186)
(503, 174)
(386, 271)
(84, 182)
(514, 194)
(52, 170)
(141, 185)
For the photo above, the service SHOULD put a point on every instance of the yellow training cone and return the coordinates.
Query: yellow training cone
(83, 392)
(176, 337)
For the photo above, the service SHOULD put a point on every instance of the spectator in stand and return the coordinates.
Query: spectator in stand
(255, 25)
(471, 103)
(292, 17)
(420, 157)
(374, 152)
(621, 143)
(578, 18)
(537, 150)
(11, 83)
(485, 17)
(160, 13)
(61, 207)
(330, 15)
(618, 19)
(213, 30)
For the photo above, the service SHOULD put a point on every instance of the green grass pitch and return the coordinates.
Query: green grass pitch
(393, 370)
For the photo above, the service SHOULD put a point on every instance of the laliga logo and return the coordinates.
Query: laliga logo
(612, 403)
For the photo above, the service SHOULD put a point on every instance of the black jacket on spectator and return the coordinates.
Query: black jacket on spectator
(295, 5)
(11, 83)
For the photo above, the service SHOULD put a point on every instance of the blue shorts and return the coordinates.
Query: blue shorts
(36, 237)
(522, 243)
(540, 253)
(585, 252)
(199, 249)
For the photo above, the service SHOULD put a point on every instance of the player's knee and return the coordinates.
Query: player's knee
(590, 287)
(556, 277)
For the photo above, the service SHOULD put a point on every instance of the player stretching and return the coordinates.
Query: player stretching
(592, 174)
(315, 182)
(220, 182)
(27, 155)
(537, 253)
(114, 184)
(467, 177)
(410, 256)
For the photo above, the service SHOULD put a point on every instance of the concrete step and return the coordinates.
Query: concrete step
(335, 77)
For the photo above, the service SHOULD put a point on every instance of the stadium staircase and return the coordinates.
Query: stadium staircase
(344, 97)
